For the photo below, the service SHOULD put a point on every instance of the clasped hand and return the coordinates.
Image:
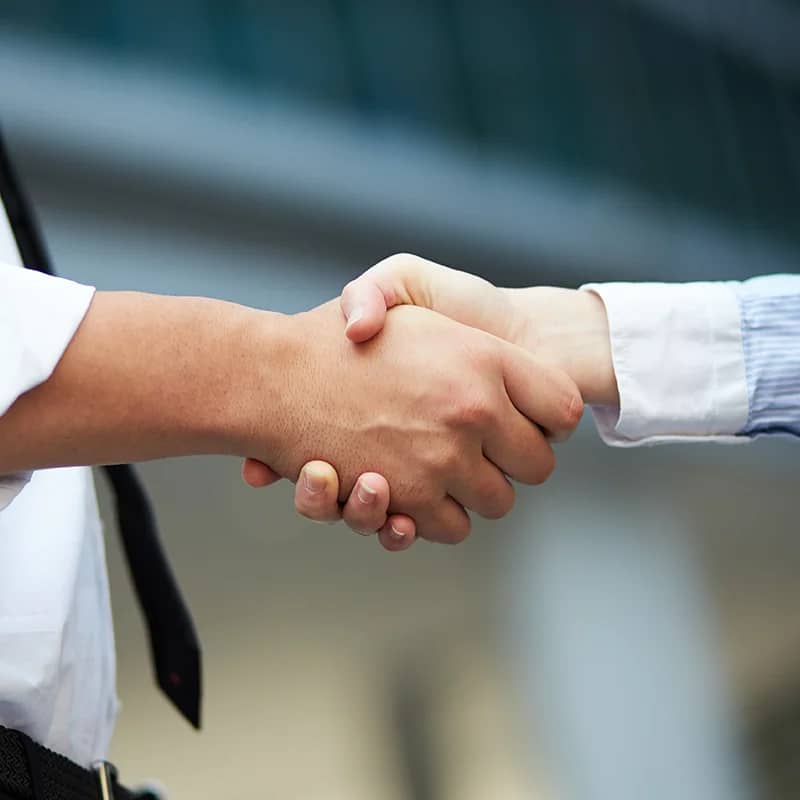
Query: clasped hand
(434, 408)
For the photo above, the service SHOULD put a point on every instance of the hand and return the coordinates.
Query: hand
(562, 327)
(423, 402)
(400, 279)
(409, 280)
(316, 496)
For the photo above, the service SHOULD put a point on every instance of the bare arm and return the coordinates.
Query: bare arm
(569, 328)
(439, 409)
(147, 376)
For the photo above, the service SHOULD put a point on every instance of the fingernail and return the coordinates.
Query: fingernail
(314, 481)
(354, 316)
(366, 494)
(396, 534)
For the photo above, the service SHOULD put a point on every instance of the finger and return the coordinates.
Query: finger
(398, 279)
(486, 491)
(317, 491)
(520, 449)
(544, 394)
(257, 473)
(398, 533)
(446, 522)
(365, 509)
(364, 307)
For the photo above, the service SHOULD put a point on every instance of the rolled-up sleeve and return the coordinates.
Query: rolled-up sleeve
(39, 315)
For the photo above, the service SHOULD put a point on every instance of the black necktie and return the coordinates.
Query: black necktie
(174, 647)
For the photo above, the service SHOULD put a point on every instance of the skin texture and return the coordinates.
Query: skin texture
(568, 328)
(453, 415)
(131, 385)
(440, 409)
(562, 327)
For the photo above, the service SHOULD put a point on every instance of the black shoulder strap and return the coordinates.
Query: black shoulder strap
(174, 646)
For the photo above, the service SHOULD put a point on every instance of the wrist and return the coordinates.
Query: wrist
(569, 328)
(264, 349)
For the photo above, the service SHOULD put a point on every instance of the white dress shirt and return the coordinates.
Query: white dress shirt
(703, 361)
(57, 669)
(680, 358)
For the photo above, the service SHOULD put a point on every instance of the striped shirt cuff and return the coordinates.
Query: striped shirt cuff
(770, 314)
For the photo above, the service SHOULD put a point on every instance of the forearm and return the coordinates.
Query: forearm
(703, 361)
(569, 329)
(147, 376)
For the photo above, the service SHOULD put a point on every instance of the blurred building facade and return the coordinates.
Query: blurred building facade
(267, 152)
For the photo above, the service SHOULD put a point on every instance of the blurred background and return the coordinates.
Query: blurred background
(632, 629)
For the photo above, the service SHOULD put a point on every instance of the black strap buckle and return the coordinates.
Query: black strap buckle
(106, 778)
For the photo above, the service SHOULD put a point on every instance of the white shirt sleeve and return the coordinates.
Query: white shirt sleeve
(39, 315)
(679, 363)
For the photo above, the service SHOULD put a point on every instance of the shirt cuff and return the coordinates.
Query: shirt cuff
(39, 315)
(679, 363)
(11, 486)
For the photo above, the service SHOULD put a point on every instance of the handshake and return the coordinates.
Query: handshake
(401, 420)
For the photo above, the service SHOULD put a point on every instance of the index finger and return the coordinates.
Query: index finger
(544, 394)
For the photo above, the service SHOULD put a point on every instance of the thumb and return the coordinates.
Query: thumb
(410, 280)
(398, 279)
(364, 305)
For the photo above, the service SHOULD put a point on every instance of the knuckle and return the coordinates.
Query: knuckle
(448, 532)
(400, 264)
(443, 460)
(545, 465)
(480, 351)
(573, 411)
(476, 412)
(493, 496)
(457, 533)
(500, 503)
(398, 259)
(402, 259)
